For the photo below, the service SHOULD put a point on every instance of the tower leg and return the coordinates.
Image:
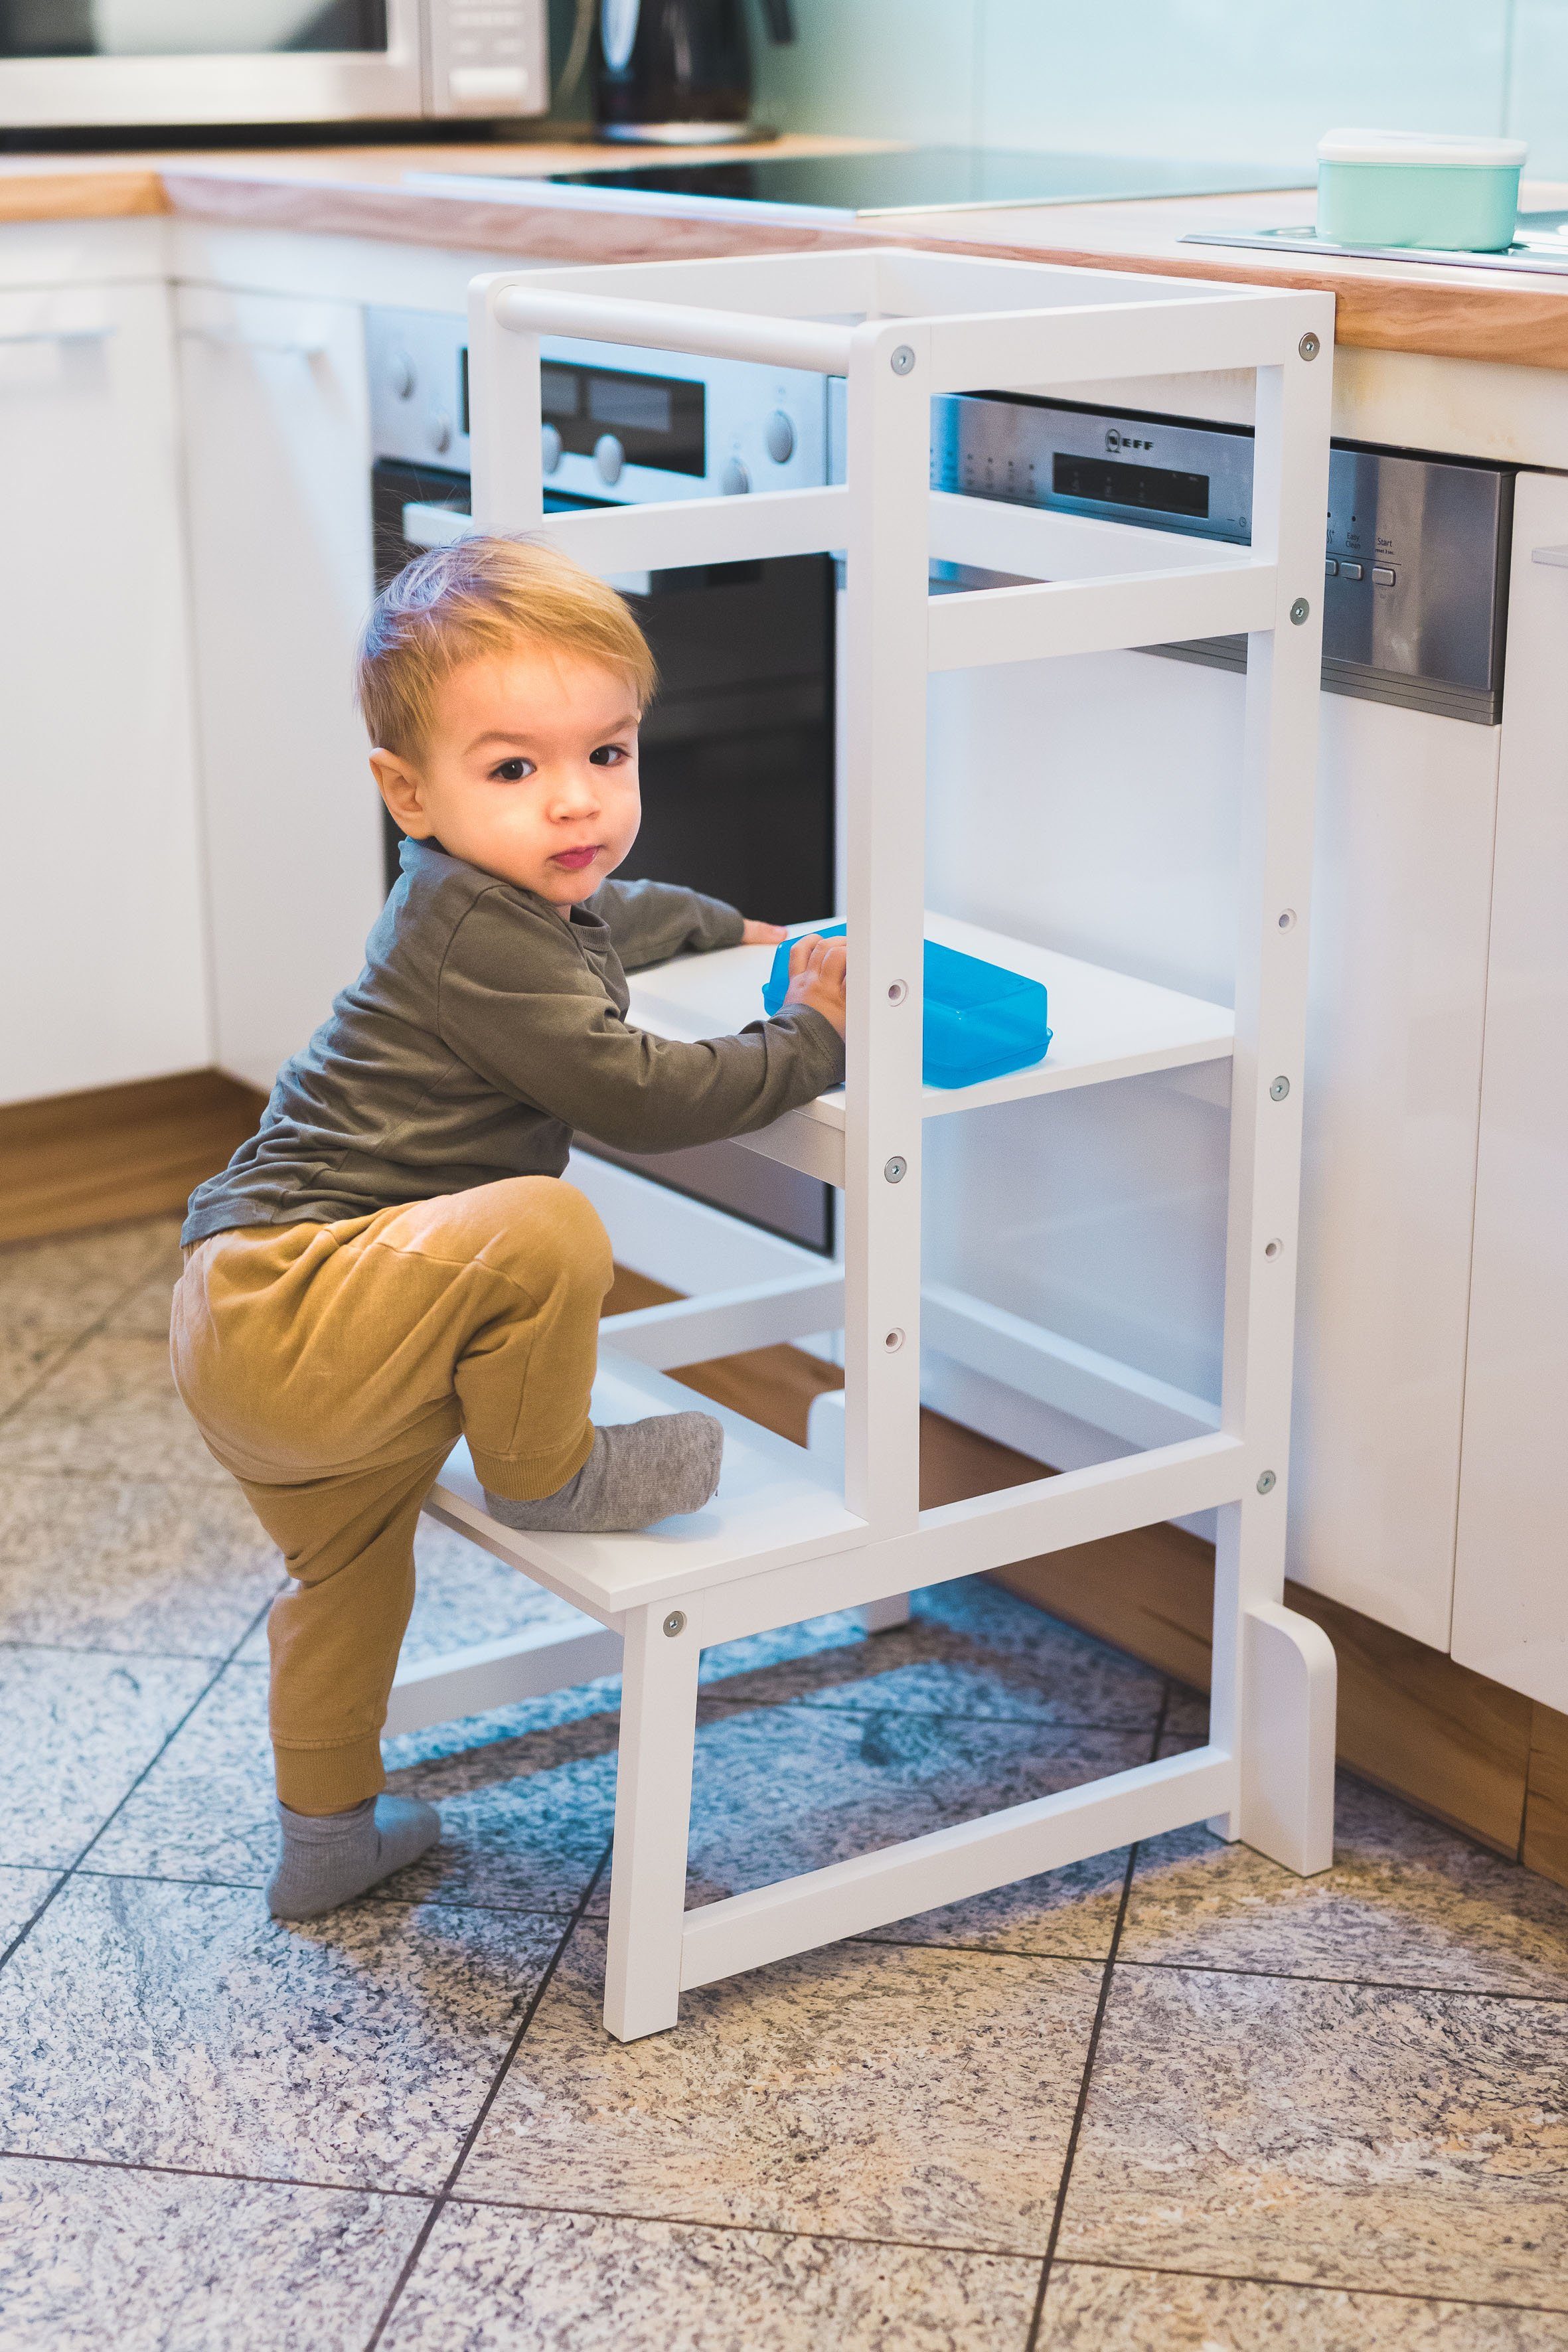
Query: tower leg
(1287, 1738)
(653, 1813)
(825, 1438)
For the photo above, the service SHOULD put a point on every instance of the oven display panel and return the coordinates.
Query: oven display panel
(658, 420)
(1158, 490)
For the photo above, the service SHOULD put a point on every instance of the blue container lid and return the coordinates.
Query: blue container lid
(980, 1020)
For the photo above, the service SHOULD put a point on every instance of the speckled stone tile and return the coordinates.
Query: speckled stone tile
(494, 2281)
(21, 1892)
(779, 1789)
(144, 1312)
(179, 2025)
(462, 1596)
(969, 1649)
(79, 1727)
(62, 1286)
(1187, 1713)
(134, 1565)
(24, 1363)
(1328, 2135)
(526, 1811)
(1407, 1902)
(108, 1410)
(864, 2091)
(94, 2255)
(1069, 1912)
(1090, 2309)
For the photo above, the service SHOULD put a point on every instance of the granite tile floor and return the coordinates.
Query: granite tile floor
(1172, 2098)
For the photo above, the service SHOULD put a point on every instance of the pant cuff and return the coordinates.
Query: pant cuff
(328, 1779)
(536, 1474)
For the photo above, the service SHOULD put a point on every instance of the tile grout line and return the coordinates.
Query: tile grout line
(70, 1346)
(771, 2229)
(162, 1749)
(444, 2194)
(1306, 2286)
(774, 2230)
(1032, 2339)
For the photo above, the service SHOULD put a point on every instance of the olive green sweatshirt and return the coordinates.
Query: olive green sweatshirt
(482, 1030)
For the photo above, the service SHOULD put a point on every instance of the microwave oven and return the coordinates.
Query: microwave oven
(103, 64)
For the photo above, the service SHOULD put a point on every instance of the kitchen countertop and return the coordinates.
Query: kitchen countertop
(1512, 317)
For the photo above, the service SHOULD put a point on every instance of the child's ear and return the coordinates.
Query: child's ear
(400, 788)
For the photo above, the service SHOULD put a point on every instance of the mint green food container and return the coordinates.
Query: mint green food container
(1408, 187)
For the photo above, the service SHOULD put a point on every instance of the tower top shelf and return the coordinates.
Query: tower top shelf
(1106, 1026)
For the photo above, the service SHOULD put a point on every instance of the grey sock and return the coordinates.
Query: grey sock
(329, 1858)
(639, 1470)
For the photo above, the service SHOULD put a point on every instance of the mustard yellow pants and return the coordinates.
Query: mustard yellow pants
(331, 1369)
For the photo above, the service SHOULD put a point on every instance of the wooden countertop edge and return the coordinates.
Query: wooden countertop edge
(114, 194)
(1520, 326)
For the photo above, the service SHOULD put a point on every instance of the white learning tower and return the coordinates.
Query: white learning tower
(789, 1537)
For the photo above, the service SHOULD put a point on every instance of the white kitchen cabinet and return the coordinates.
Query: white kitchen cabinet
(103, 968)
(277, 466)
(1510, 1598)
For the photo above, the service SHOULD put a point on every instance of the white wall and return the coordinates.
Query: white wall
(1254, 80)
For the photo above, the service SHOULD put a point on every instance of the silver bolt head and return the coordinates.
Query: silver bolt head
(894, 1342)
(902, 361)
(896, 1170)
(1309, 346)
(1301, 611)
(675, 1622)
(1279, 1089)
(897, 991)
(1266, 1483)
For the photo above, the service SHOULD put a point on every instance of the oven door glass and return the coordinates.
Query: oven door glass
(186, 28)
(737, 776)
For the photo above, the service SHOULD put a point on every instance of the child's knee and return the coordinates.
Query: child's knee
(562, 1237)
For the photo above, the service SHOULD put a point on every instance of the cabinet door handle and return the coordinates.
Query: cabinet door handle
(56, 334)
(229, 339)
(1554, 555)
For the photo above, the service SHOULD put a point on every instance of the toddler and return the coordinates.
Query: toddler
(393, 1259)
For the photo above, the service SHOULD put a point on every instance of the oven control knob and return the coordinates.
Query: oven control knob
(402, 376)
(609, 457)
(735, 481)
(550, 448)
(780, 438)
(440, 432)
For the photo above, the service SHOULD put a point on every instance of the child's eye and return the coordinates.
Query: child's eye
(512, 772)
(609, 755)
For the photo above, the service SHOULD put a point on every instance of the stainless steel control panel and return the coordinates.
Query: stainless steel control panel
(620, 425)
(1416, 566)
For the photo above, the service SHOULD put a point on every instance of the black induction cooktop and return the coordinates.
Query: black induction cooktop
(913, 179)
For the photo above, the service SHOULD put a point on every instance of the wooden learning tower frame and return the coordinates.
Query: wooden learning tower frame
(782, 1542)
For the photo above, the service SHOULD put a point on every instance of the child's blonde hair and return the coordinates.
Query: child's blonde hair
(485, 596)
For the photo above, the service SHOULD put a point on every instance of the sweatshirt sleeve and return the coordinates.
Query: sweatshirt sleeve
(522, 1010)
(651, 922)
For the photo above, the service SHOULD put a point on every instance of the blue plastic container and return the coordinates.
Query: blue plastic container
(981, 1021)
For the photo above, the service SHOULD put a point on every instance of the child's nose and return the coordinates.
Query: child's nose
(576, 793)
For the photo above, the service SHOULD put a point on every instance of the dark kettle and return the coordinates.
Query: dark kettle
(679, 71)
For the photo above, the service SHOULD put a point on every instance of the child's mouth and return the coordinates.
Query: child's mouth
(573, 860)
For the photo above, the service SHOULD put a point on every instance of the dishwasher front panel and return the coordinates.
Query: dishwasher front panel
(1126, 769)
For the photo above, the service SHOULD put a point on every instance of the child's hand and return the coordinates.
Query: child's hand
(816, 969)
(761, 935)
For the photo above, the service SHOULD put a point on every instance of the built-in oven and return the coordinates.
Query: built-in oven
(96, 64)
(737, 752)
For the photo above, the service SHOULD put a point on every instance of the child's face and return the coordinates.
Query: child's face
(530, 773)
